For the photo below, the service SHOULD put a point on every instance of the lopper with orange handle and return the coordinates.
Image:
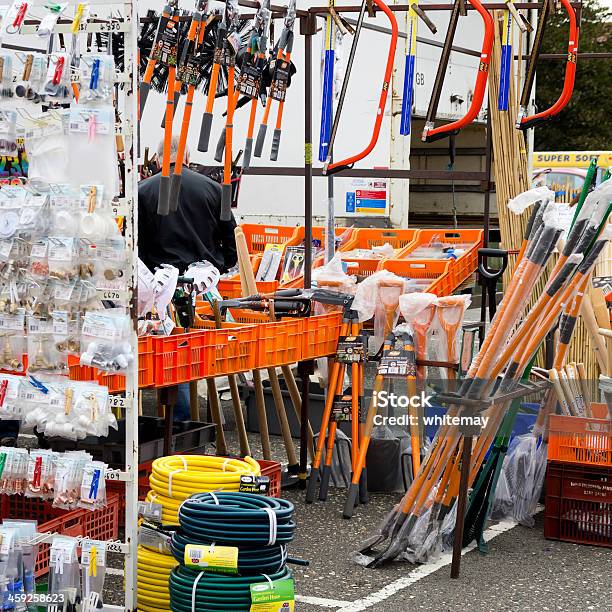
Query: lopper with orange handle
(280, 82)
(145, 84)
(187, 73)
(166, 52)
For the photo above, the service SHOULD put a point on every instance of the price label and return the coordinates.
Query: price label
(113, 475)
(118, 401)
(113, 295)
(218, 559)
(114, 547)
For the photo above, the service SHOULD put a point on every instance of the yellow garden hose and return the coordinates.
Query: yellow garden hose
(175, 478)
(153, 579)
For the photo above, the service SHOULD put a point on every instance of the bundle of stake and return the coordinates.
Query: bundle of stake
(416, 522)
(512, 178)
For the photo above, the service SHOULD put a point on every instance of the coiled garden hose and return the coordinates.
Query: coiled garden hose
(153, 580)
(238, 519)
(251, 561)
(177, 477)
(194, 591)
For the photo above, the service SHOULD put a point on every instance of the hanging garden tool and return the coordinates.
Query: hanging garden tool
(282, 71)
(188, 69)
(223, 29)
(231, 47)
(166, 52)
(145, 83)
(329, 167)
(430, 133)
(409, 69)
(523, 121)
(511, 16)
(251, 71)
(334, 29)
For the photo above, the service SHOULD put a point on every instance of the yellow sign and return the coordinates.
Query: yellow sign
(569, 159)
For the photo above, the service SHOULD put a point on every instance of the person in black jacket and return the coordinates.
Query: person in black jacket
(194, 232)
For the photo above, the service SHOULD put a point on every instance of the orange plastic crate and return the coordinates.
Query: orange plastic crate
(368, 237)
(259, 235)
(99, 524)
(580, 440)
(320, 337)
(280, 343)
(318, 233)
(436, 270)
(362, 267)
(461, 268)
(272, 469)
(116, 382)
(229, 350)
(180, 357)
(230, 288)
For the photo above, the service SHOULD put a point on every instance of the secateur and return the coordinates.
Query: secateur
(330, 168)
(523, 121)
(430, 133)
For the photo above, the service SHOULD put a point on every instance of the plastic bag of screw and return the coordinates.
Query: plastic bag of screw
(6, 75)
(111, 265)
(68, 479)
(43, 356)
(13, 470)
(57, 80)
(10, 407)
(97, 77)
(42, 464)
(63, 258)
(105, 340)
(93, 486)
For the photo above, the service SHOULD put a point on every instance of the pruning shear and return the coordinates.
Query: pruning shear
(231, 16)
(187, 73)
(145, 84)
(252, 71)
(431, 134)
(280, 82)
(330, 168)
(523, 121)
(207, 117)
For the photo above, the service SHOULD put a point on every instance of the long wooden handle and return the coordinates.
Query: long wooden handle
(281, 413)
(215, 411)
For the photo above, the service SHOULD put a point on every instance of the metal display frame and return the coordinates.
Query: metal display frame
(126, 207)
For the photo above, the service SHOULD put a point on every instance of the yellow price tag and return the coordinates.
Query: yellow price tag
(219, 559)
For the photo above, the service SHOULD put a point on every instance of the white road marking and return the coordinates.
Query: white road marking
(421, 572)
(321, 602)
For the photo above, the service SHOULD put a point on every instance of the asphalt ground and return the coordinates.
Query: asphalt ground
(522, 571)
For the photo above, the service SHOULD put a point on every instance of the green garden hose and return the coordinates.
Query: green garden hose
(194, 591)
(237, 519)
(251, 561)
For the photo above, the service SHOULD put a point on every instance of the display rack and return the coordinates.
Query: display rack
(120, 17)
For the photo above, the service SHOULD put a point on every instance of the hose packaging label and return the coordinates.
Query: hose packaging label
(273, 596)
(254, 484)
(218, 559)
